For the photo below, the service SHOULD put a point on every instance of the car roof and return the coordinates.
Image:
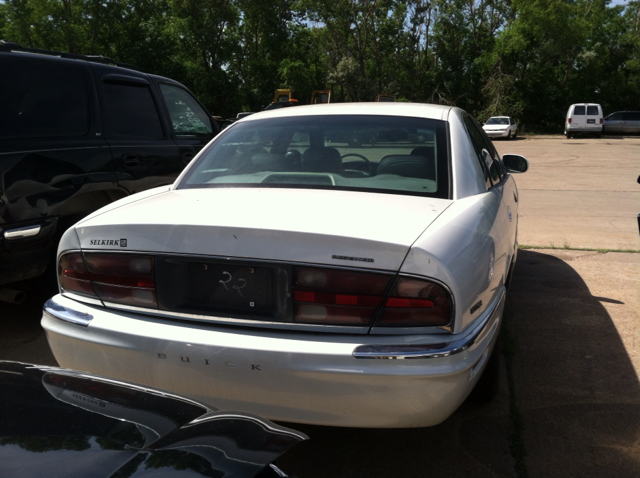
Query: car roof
(416, 110)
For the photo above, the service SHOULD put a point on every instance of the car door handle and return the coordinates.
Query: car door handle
(130, 160)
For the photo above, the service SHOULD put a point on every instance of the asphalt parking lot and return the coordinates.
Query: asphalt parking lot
(569, 404)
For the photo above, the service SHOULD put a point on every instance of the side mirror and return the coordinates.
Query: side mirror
(515, 163)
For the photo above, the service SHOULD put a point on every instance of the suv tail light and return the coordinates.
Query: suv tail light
(122, 278)
(569, 120)
(340, 297)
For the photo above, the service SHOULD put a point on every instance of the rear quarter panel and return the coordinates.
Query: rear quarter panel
(468, 248)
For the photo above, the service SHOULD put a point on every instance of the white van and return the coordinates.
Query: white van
(584, 118)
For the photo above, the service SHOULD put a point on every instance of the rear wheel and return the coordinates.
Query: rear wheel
(509, 135)
(567, 134)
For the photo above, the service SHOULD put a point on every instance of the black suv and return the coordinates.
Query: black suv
(76, 133)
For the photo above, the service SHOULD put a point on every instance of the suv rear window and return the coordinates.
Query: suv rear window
(42, 99)
(579, 110)
(592, 110)
(361, 153)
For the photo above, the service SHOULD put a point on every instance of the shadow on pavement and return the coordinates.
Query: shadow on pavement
(575, 385)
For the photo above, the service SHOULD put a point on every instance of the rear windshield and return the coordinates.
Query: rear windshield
(498, 121)
(365, 153)
(578, 110)
(592, 110)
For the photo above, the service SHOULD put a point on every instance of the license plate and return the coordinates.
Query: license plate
(220, 287)
(591, 121)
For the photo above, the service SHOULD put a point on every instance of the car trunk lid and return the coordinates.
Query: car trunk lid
(310, 226)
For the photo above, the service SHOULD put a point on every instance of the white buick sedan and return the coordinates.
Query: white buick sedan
(289, 274)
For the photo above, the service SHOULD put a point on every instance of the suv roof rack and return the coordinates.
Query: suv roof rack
(11, 46)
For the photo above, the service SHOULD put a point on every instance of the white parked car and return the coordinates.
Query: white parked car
(293, 276)
(501, 127)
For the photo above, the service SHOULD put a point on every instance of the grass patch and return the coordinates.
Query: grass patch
(518, 450)
(566, 247)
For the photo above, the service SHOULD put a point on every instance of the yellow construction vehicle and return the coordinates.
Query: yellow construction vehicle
(282, 96)
(320, 96)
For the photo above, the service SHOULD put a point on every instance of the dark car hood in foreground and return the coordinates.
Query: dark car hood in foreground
(61, 423)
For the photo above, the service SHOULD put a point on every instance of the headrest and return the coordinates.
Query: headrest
(408, 166)
(322, 159)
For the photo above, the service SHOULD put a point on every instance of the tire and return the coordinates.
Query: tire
(488, 385)
(509, 135)
(515, 134)
(567, 134)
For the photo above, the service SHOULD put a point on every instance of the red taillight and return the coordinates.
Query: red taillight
(569, 120)
(112, 277)
(339, 297)
(121, 269)
(416, 303)
(74, 276)
(600, 120)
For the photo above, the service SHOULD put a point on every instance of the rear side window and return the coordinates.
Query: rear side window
(131, 111)
(579, 110)
(632, 116)
(42, 99)
(188, 118)
(592, 111)
(485, 151)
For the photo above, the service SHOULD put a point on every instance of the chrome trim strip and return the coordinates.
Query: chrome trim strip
(217, 320)
(426, 351)
(22, 232)
(56, 149)
(60, 312)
